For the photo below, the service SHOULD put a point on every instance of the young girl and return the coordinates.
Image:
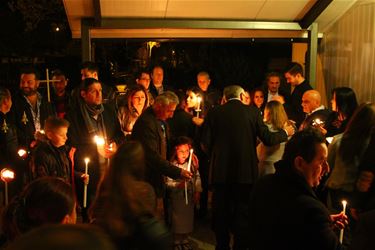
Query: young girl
(181, 210)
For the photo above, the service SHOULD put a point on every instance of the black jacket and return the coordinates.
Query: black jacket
(51, 161)
(26, 127)
(286, 214)
(229, 137)
(148, 131)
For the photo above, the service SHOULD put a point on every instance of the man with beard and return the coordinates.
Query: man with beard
(30, 109)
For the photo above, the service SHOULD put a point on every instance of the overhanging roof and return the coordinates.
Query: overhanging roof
(202, 18)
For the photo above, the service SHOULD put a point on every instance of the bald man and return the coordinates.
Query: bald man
(316, 114)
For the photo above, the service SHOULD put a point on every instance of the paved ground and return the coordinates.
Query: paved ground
(203, 238)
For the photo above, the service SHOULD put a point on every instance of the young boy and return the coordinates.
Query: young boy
(181, 208)
(52, 157)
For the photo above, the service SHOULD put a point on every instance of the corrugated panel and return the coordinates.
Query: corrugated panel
(348, 52)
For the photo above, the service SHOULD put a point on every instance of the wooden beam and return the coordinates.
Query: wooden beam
(97, 12)
(313, 13)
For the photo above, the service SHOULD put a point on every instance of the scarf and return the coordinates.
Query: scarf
(91, 113)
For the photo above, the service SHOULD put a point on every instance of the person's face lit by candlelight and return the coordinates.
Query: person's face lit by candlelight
(258, 98)
(313, 171)
(191, 100)
(293, 80)
(157, 76)
(139, 100)
(182, 153)
(273, 84)
(29, 84)
(203, 81)
(58, 136)
(93, 95)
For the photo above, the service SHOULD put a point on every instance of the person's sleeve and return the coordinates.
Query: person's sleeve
(266, 136)
(146, 136)
(319, 230)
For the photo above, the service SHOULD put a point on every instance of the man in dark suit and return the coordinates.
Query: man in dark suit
(285, 213)
(297, 85)
(316, 114)
(151, 130)
(229, 137)
(274, 89)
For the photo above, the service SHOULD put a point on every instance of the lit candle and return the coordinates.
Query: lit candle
(99, 140)
(22, 152)
(344, 202)
(189, 162)
(7, 175)
(199, 99)
(87, 160)
(329, 139)
(188, 169)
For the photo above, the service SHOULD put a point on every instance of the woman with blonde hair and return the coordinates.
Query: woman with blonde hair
(275, 118)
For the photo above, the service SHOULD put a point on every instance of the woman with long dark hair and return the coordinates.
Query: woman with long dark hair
(344, 102)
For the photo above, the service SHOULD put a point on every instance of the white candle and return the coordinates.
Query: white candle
(199, 99)
(186, 194)
(7, 175)
(188, 169)
(85, 186)
(344, 202)
(189, 162)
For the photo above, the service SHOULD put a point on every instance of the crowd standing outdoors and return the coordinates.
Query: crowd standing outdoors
(138, 168)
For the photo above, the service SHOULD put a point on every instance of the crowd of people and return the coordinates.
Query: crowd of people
(138, 167)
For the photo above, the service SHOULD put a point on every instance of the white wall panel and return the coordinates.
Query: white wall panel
(348, 51)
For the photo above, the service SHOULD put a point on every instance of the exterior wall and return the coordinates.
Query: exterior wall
(347, 51)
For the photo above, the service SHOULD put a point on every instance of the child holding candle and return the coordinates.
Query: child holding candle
(195, 105)
(52, 157)
(181, 213)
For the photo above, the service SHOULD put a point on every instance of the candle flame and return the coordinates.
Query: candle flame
(329, 139)
(7, 174)
(99, 140)
(22, 152)
(87, 160)
(344, 203)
